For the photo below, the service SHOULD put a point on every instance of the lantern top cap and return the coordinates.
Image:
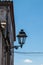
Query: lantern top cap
(22, 34)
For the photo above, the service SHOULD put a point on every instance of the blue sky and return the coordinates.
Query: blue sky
(29, 16)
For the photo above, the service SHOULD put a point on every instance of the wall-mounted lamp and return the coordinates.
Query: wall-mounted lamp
(21, 39)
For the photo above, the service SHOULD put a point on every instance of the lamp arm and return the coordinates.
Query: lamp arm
(16, 47)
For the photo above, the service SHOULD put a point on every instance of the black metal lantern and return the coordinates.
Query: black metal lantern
(21, 37)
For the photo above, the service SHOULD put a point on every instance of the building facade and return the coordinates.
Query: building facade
(7, 33)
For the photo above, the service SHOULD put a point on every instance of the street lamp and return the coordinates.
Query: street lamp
(21, 37)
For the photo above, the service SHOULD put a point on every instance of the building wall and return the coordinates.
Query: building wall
(6, 58)
(11, 37)
(0, 48)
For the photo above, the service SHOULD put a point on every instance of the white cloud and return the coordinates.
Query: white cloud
(28, 61)
(41, 64)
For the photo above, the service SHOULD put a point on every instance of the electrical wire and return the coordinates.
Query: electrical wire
(28, 52)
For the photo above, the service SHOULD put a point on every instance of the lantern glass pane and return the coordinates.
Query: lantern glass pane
(24, 38)
(21, 40)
